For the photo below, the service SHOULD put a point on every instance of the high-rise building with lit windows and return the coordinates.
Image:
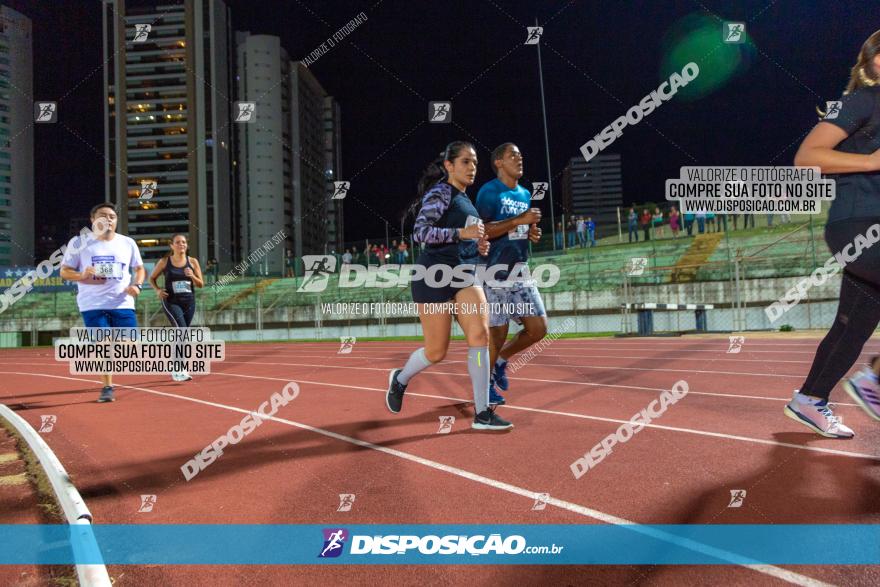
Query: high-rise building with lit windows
(288, 158)
(333, 165)
(594, 188)
(264, 162)
(16, 139)
(168, 93)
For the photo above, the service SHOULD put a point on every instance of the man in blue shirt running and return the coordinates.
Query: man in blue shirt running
(510, 224)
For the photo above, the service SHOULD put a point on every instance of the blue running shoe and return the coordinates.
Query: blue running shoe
(501, 376)
(106, 395)
(495, 398)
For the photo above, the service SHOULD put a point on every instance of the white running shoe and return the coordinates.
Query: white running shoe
(865, 389)
(181, 376)
(816, 415)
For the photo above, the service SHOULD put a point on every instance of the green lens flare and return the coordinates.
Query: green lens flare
(700, 39)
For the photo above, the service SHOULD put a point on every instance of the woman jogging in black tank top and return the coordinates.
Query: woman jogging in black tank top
(182, 275)
(845, 144)
(449, 227)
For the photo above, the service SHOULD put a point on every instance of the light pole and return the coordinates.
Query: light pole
(546, 143)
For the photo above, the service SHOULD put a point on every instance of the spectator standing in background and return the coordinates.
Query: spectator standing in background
(646, 224)
(404, 252)
(674, 218)
(368, 254)
(288, 263)
(581, 229)
(689, 223)
(632, 223)
(658, 223)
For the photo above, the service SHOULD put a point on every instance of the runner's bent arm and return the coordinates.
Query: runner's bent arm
(434, 203)
(157, 271)
(500, 227)
(197, 273)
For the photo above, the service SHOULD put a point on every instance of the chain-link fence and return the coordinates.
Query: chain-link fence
(602, 289)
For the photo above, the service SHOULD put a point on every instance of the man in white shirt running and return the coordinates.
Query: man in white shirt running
(102, 270)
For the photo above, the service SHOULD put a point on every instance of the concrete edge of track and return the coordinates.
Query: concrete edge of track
(72, 504)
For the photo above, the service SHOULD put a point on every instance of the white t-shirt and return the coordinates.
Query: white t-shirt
(112, 260)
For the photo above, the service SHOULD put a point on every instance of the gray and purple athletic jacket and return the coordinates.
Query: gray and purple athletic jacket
(445, 209)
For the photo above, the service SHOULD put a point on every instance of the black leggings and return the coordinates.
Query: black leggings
(180, 312)
(858, 311)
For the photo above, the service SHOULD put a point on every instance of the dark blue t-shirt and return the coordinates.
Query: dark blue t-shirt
(857, 194)
(496, 201)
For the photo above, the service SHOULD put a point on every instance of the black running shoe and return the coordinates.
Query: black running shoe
(394, 396)
(489, 420)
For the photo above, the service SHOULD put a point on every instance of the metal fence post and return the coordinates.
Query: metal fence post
(737, 314)
(813, 243)
(809, 311)
(259, 310)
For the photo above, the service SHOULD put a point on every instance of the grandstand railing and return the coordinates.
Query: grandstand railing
(247, 301)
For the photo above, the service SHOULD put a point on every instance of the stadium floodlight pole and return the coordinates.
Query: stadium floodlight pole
(546, 142)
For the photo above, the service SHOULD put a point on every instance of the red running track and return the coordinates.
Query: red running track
(337, 437)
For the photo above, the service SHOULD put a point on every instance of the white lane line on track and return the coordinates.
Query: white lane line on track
(582, 366)
(362, 354)
(456, 374)
(773, 571)
(718, 350)
(721, 342)
(539, 364)
(721, 348)
(585, 417)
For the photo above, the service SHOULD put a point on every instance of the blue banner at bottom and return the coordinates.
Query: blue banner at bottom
(440, 544)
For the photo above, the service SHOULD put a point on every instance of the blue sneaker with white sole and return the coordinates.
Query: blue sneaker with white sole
(495, 398)
(501, 376)
(106, 395)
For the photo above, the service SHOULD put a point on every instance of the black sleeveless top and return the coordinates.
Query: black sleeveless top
(179, 286)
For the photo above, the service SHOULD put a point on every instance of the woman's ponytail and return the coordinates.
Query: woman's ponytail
(435, 172)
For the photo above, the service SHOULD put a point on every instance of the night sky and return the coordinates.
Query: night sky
(599, 59)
